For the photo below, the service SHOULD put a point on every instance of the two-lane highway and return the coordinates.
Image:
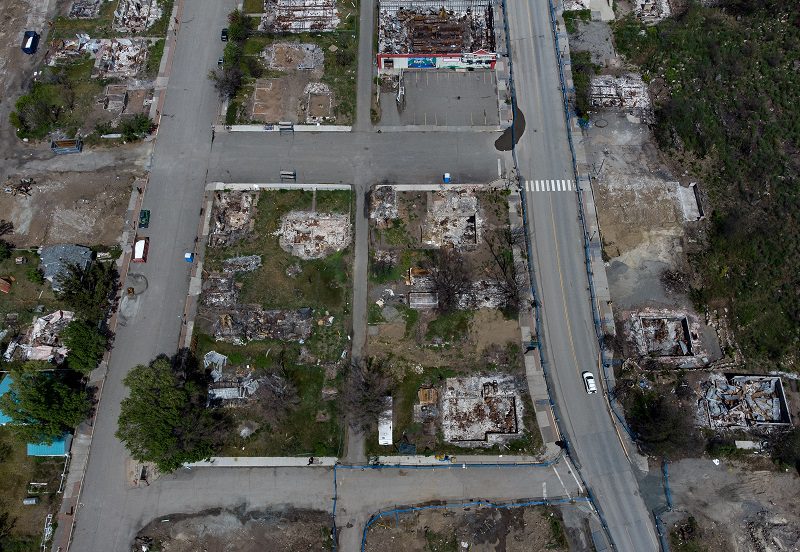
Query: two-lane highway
(545, 165)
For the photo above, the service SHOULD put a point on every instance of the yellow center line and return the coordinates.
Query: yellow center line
(561, 281)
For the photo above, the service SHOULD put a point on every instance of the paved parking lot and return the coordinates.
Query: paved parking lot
(444, 98)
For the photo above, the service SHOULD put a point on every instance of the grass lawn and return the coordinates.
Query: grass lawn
(298, 433)
(322, 284)
(450, 327)
(407, 259)
(17, 470)
(154, 54)
(253, 6)
(25, 295)
(405, 396)
(340, 65)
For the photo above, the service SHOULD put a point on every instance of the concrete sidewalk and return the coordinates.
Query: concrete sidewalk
(264, 462)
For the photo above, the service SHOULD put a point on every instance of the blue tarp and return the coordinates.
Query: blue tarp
(5, 386)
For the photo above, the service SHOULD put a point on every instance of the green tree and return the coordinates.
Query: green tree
(135, 128)
(5, 250)
(89, 291)
(661, 426)
(164, 420)
(787, 450)
(37, 112)
(41, 406)
(86, 345)
(35, 275)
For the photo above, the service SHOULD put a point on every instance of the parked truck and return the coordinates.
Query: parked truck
(141, 246)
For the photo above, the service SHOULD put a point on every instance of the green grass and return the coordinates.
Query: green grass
(397, 233)
(253, 6)
(407, 259)
(99, 27)
(340, 66)
(323, 283)
(412, 319)
(440, 542)
(17, 470)
(450, 327)
(62, 99)
(298, 433)
(730, 118)
(558, 538)
(571, 19)
(160, 27)
(334, 201)
(25, 295)
(154, 54)
(374, 315)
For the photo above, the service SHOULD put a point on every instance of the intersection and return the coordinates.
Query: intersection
(185, 158)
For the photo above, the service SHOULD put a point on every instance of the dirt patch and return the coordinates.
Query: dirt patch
(238, 530)
(736, 507)
(85, 208)
(477, 529)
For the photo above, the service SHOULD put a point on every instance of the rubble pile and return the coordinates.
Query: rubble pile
(231, 217)
(250, 322)
(135, 16)
(628, 92)
(651, 11)
(483, 294)
(383, 205)
(247, 263)
(228, 387)
(84, 9)
(743, 401)
(42, 341)
(120, 57)
(452, 220)
(303, 56)
(435, 26)
(481, 411)
(69, 49)
(319, 103)
(299, 16)
(220, 290)
(311, 235)
(672, 336)
(576, 5)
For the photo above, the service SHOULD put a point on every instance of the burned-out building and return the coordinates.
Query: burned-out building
(231, 217)
(299, 16)
(430, 34)
(252, 323)
(452, 220)
(743, 402)
(481, 411)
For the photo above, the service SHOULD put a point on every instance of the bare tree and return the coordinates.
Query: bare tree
(509, 275)
(365, 393)
(227, 81)
(450, 278)
(6, 227)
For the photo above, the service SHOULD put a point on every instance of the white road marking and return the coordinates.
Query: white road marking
(499, 168)
(544, 490)
(550, 185)
(562, 482)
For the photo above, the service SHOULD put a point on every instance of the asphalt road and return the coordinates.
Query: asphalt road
(174, 196)
(543, 157)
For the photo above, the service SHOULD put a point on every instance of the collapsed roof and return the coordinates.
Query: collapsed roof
(435, 26)
(56, 260)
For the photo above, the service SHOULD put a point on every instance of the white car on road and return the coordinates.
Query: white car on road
(588, 382)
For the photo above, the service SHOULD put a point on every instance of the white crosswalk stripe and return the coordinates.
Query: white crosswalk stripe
(549, 186)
